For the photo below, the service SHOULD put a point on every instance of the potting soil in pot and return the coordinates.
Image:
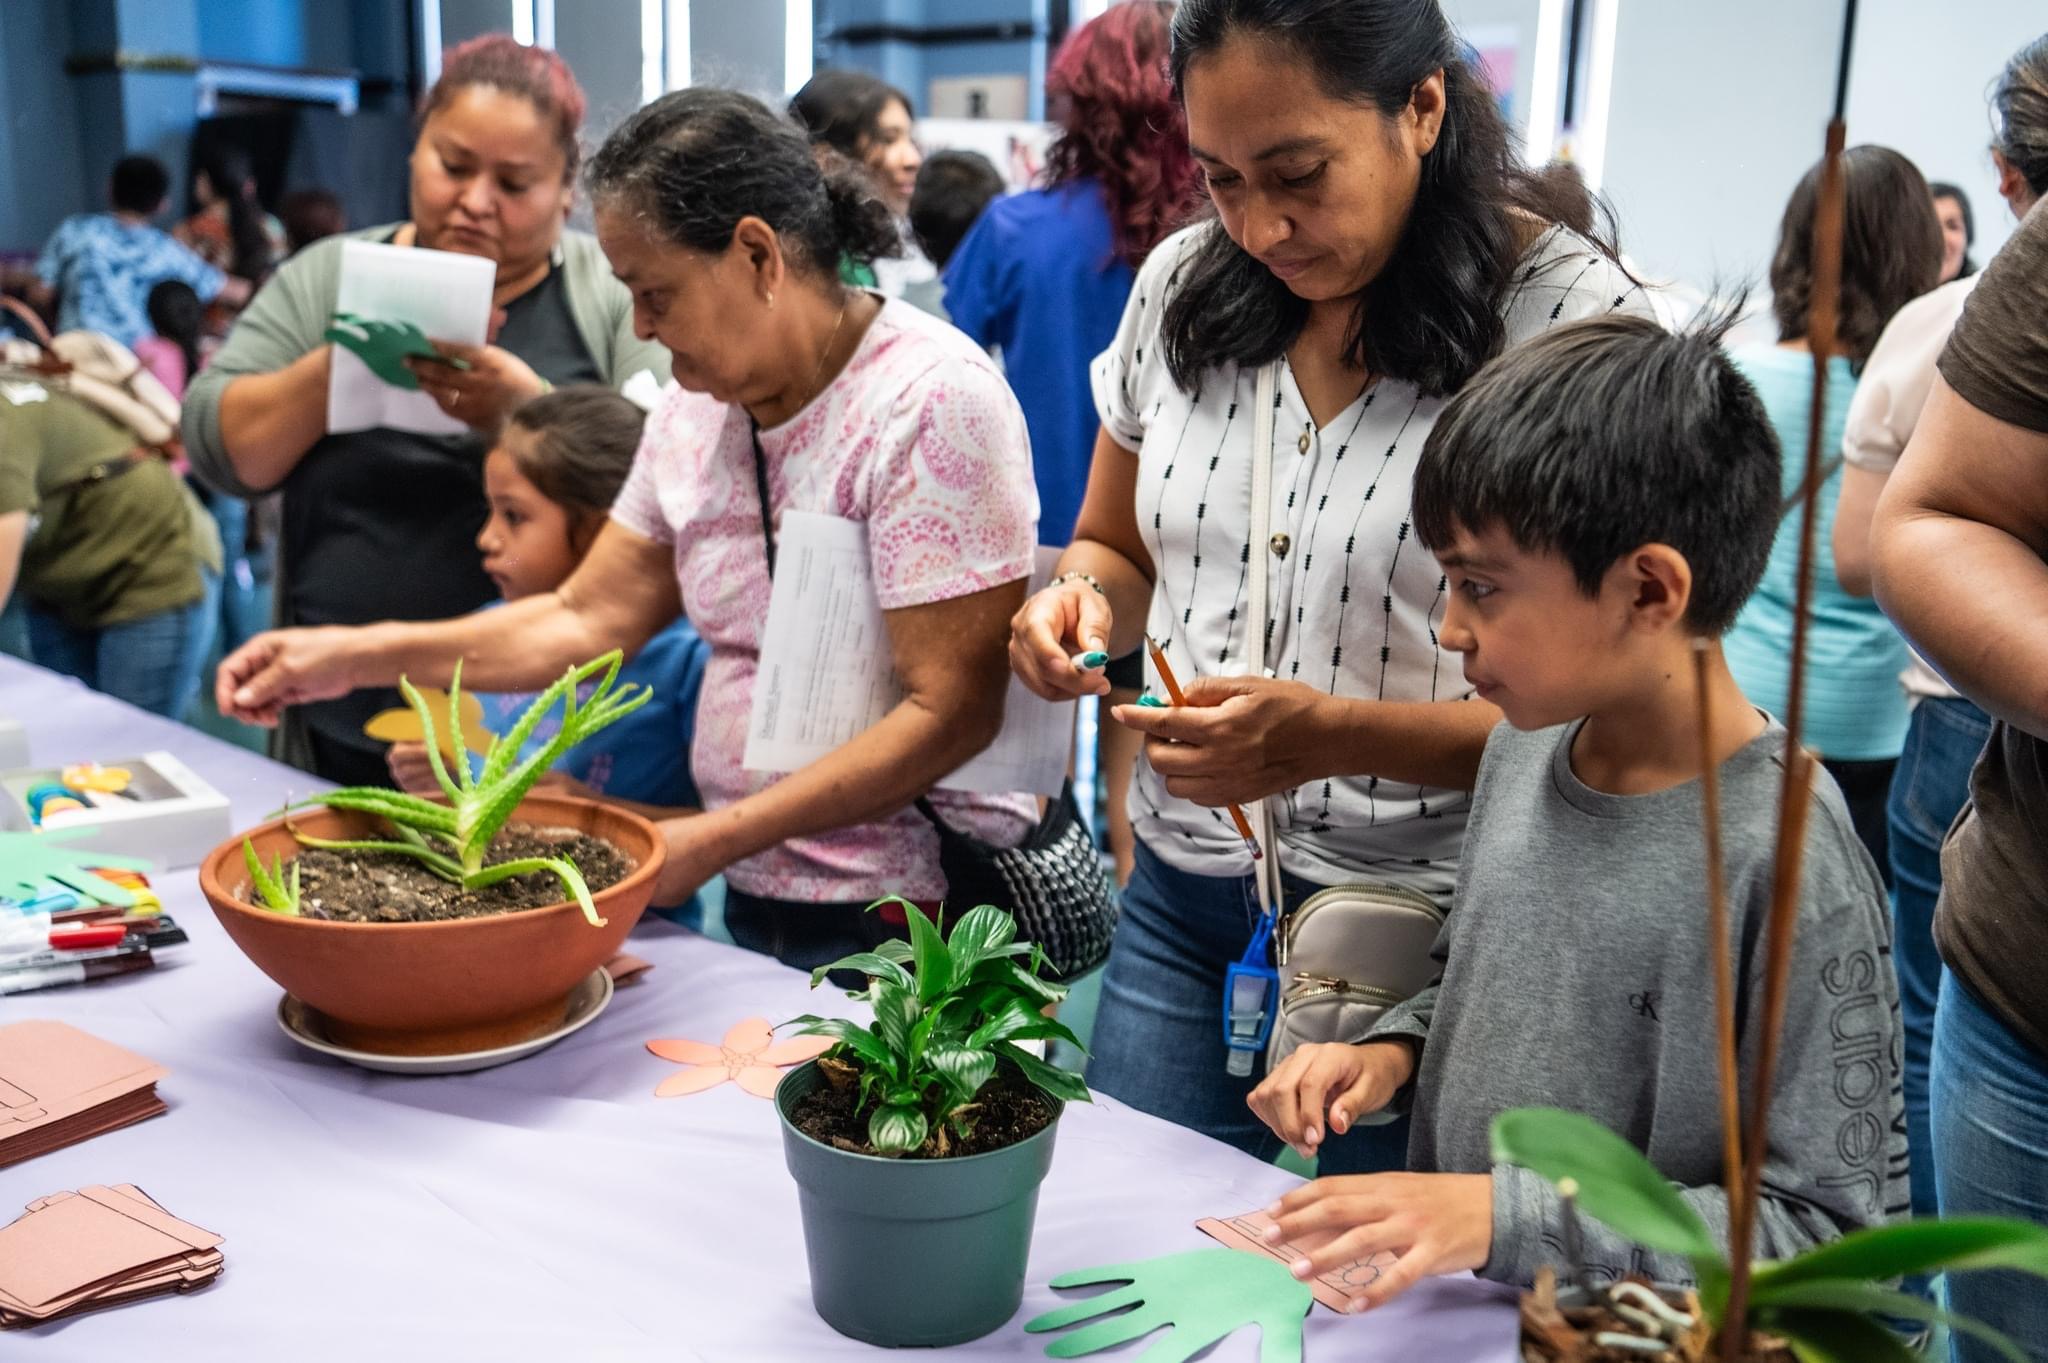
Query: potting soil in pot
(387, 887)
(1010, 1109)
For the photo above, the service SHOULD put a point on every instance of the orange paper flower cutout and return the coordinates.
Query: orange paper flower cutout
(750, 1056)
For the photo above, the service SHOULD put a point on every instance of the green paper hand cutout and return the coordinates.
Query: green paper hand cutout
(385, 346)
(28, 860)
(1201, 1297)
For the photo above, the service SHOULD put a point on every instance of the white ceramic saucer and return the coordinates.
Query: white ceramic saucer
(304, 1025)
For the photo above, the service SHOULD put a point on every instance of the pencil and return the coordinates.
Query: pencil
(1244, 825)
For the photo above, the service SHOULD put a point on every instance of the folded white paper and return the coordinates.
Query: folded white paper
(827, 673)
(445, 294)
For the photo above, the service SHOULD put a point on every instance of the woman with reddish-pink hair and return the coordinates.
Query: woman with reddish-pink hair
(1045, 275)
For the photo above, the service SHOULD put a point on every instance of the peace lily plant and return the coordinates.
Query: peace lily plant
(452, 839)
(947, 1010)
(956, 1189)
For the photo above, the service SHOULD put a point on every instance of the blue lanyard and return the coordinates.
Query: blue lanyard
(1251, 986)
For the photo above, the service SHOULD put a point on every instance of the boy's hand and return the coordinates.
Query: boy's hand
(1434, 1223)
(1347, 1082)
(411, 770)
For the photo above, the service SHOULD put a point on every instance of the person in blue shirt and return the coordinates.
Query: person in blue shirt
(550, 480)
(100, 267)
(953, 189)
(1044, 276)
(1855, 714)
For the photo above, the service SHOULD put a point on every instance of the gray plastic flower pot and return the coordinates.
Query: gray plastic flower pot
(913, 1252)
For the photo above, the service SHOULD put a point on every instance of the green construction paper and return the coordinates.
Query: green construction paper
(385, 346)
(30, 861)
(1199, 1297)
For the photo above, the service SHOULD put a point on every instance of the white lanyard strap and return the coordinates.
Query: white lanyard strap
(1259, 571)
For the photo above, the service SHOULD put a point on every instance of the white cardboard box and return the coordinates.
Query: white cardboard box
(175, 822)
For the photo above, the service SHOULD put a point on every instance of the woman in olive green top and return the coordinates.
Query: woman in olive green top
(116, 569)
(381, 524)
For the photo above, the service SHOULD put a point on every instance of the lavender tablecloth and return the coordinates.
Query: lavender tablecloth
(553, 1208)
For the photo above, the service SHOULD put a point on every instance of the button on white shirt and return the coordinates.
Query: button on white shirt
(1354, 599)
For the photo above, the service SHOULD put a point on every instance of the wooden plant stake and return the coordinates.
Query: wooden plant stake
(1798, 780)
(1717, 930)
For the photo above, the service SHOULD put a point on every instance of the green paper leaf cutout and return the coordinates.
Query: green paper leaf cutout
(1200, 1297)
(383, 346)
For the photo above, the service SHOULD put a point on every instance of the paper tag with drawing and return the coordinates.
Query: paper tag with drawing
(826, 672)
(1336, 1289)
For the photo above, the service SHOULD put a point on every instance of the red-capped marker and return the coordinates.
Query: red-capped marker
(80, 938)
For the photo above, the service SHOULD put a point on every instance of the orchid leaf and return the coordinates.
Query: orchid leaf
(1905, 1247)
(1617, 1184)
(1869, 1299)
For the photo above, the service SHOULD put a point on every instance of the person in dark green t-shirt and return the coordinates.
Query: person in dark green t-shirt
(100, 537)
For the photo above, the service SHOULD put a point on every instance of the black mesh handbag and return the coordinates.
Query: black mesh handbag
(1053, 882)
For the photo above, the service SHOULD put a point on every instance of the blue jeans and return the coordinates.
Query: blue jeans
(1158, 1042)
(152, 663)
(1929, 789)
(245, 597)
(1990, 1106)
(806, 935)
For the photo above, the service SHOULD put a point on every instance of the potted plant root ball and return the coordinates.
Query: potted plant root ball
(420, 927)
(918, 1142)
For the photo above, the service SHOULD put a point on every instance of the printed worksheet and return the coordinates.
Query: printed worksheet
(445, 294)
(827, 674)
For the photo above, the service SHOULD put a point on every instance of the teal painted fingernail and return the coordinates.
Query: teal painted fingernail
(1093, 658)
(1151, 702)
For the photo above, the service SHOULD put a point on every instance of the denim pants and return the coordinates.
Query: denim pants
(1866, 789)
(152, 663)
(1158, 1042)
(1929, 789)
(806, 935)
(1989, 1091)
(245, 596)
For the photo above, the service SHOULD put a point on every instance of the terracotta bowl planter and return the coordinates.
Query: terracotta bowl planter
(437, 988)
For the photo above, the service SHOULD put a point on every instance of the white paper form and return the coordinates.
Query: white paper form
(827, 674)
(444, 294)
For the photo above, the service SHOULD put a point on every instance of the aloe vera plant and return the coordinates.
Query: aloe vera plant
(280, 893)
(452, 839)
(1827, 1303)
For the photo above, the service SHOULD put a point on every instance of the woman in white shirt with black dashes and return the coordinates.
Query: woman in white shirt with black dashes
(1377, 240)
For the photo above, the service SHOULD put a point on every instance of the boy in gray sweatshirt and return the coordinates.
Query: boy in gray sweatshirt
(1601, 498)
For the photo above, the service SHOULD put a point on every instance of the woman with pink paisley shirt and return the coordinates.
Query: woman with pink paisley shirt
(716, 217)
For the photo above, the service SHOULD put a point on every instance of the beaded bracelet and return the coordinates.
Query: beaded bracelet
(1088, 578)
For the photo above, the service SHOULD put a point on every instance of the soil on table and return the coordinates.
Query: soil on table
(387, 887)
(1009, 1109)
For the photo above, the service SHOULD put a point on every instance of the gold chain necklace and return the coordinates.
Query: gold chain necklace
(825, 355)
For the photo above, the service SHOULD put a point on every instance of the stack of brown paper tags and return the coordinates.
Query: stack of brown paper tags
(59, 1086)
(98, 1247)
